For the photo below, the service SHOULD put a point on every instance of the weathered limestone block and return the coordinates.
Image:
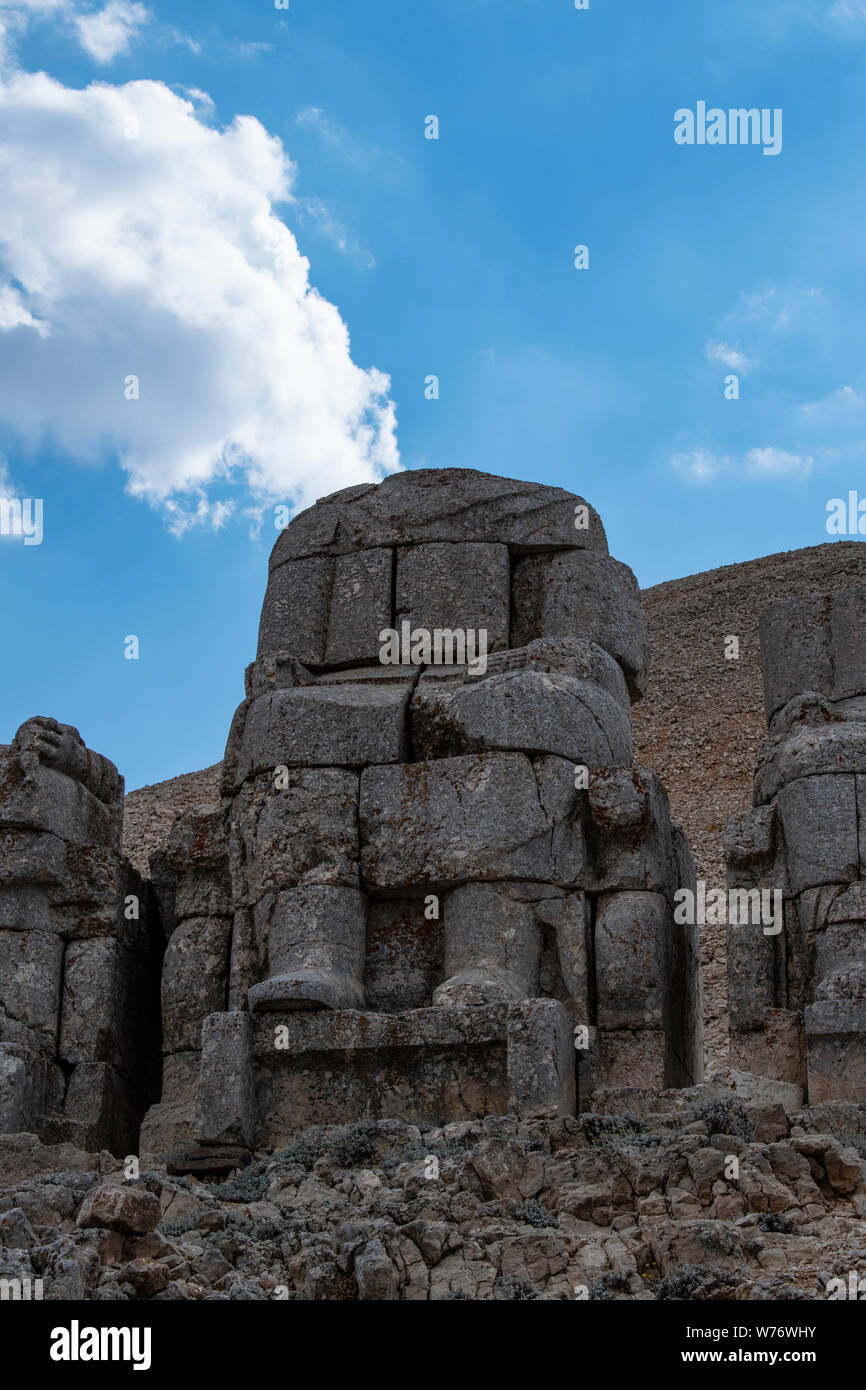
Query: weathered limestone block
(540, 1058)
(315, 943)
(630, 832)
(170, 1124)
(51, 781)
(335, 1067)
(339, 725)
(26, 857)
(492, 946)
(754, 863)
(819, 824)
(295, 611)
(836, 749)
(860, 787)
(631, 931)
(99, 896)
(585, 595)
(277, 671)
(795, 649)
(454, 820)
(265, 1072)
(752, 976)
(226, 1108)
(80, 947)
(849, 905)
(750, 846)
(107, 1008)
(455, 586)
(684, 992)
(628, 1053)
(565, 656)
(324, 611)
(566, 972)
(31, 1087)
(404, 954)
(247, 960)
(525, 711)
(563, 803)
(31, 981)
(836, 1050)
(48, 800)
(805, 920)
(194, 979)
(191, 874)
(814, 643)
(101, 1110)
(426, 505)
(785, 1046)
(848, 641)
(360, 606)
(587, 1067)
(26, 908)
(303, 832)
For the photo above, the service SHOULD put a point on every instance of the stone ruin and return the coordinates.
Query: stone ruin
(797, 998)
(434, 889)
(80, 949)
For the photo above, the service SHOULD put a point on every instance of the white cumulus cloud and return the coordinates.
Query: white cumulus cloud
(108, 32)
(138, 242)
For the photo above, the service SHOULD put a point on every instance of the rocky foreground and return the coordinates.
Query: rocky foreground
(706, 1197)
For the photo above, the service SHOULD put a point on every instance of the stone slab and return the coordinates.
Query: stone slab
(427, 505)
(344, 725)
(450, 821)
(585, 595)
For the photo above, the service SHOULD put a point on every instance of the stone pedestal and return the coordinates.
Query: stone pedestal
(265, 1077)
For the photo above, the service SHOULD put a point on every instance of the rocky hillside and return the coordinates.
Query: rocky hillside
(148, 812)
(699, 726)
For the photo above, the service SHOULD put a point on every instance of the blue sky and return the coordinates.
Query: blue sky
(146, 231)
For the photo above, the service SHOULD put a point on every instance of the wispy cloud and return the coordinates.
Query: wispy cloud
(699, 465)
(251, 48)
(776, 307)
(729, 356)
(334, 231)
(703, 465)
(355, 149)
(844, 20)
(778, 463)
(832, 407)
(849, 14)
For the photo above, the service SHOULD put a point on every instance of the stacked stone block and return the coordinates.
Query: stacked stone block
(797, 1000)
(192, 885)
(439, 869)
(80, 949)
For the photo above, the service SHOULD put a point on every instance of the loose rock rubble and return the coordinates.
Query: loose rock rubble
(601, 1207)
